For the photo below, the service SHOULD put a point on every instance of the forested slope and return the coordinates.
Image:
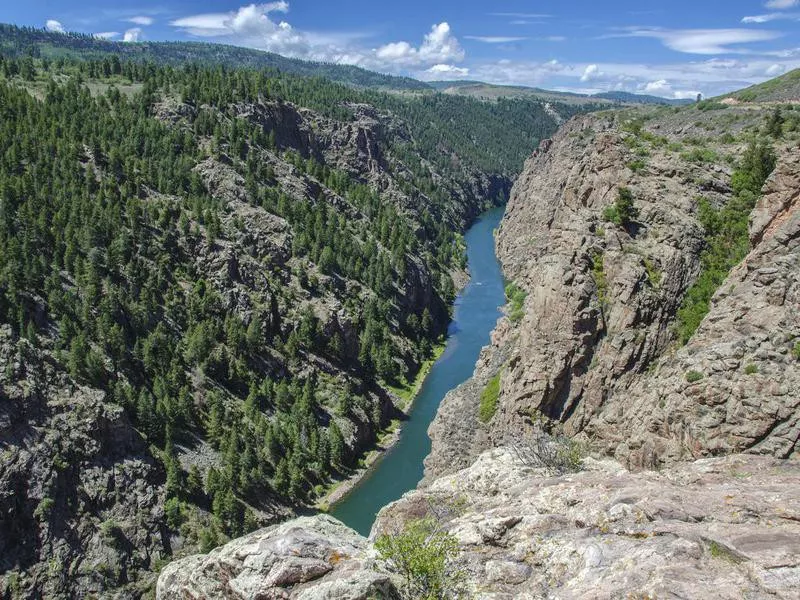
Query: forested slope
(211, 283)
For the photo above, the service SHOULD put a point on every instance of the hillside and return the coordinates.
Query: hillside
(26, 41)
(215, 289)
(785, 88)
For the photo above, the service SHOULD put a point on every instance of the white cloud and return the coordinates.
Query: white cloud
(132, 35)
(254, 26)
(781, 4)
(775, 70)
(702, 41)
(54, 26)
(590, 72)
(140, 20)
(675, 80)
(494, 39)
(444, 71)
(438, 47)
(779, 16)
(106, 35)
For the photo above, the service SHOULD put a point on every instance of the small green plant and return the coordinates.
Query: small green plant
(699, 155)
(173, 511)
(516, 298)
(425, 557)
(637, 165)
(111, 533)
(722, 552)
(796, 351)
(693, 376)
(706, 105)
(653, 274)
(623, 211)
(600, 280)
(489, 398)
(751, 369)
(44, 509)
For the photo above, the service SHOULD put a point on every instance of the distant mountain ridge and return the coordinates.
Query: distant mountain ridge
(46, 44)
(492, 91)
(41, 43)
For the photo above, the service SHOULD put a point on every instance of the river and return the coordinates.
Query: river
(477, 309)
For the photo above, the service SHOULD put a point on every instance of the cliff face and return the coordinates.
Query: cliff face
(81, 495)
(592, 351)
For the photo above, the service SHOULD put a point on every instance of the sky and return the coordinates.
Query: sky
(670, 48)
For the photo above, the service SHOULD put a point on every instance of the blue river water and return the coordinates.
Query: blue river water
(477, 309)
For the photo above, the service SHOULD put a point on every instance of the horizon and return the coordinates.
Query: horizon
(580, 48)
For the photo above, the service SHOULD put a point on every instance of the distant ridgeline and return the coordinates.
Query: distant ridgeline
(247, 261)
(27, 41)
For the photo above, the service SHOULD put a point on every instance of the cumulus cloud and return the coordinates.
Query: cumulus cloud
(591, 72)
(132, 35)
(54, 26)
(106, 35)
(256, 26)
(140, 20)
(438, 47)
(702, 41)
(252, 26)
(443, 71)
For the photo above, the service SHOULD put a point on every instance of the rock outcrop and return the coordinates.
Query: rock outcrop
(81, 496)
(309, 558)
(714, 528)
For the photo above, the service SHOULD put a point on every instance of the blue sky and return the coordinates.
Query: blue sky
(672, 48)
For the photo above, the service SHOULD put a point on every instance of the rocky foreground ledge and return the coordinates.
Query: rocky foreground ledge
(718, 527)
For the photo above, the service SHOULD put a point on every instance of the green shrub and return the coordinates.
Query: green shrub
(600, 280)
(693, 376)
(624, 210)
(706, 105)
(796, 351)
(44, 509)
(637, 165)
(653, 274)
(173, 511)
(751, 369)
(726, 235)
(699, 155)
(516, 297)
(425, 557)
(111, 533)
(489, 398)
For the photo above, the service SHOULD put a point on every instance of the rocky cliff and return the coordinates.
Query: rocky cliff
(713, 528)
(592, 348)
